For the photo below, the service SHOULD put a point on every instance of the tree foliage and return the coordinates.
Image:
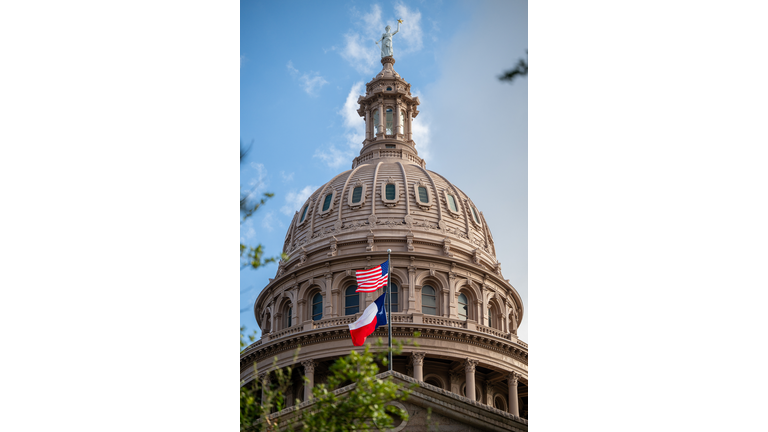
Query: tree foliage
(520, 70)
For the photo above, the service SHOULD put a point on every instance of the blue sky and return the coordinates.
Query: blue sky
(303, 64)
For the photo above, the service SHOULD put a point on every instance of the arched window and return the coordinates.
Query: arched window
(390, 191)
(423, 197)
(463, 307)
(452, 203)
(376, 120)
(395, 299)
(287, 318)
(474, 215)
(304, 213)
(327, 201)
(317, 307)
(434, 382)
(389, 121)
(499, 403)
(401, 126)
(357, 194)
(490, 317)
(351, 301)
(428, 300)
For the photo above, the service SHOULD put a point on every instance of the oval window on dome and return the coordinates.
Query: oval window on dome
(390, 191)
(389, 88)
(452, 203)
(376, 120)
(389, 121)
(357, 194)
(304, 213)
(327, 202)
(423, 196)
(474, 215)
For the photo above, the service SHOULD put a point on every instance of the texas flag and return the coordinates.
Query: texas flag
(373, 317)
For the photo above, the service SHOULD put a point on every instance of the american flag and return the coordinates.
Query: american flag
(372, 279)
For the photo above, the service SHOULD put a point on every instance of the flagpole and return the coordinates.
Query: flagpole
(389, 303)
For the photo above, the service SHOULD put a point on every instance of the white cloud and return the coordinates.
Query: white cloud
(421, 136)
(354, 132)
(269, 222)
(360, 48)
(333, 157)
(247, 232)
(286, 177)
(258, 183)
(410, 34)
(310, 82)
(294, 200)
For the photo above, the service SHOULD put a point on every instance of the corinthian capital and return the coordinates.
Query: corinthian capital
(418, 358)
(309, 366)
(469, 365)
(513, 377)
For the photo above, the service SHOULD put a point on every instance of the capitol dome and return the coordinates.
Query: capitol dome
(446, 281)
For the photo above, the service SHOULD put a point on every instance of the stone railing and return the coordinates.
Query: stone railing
(492, 331)
(436, 320)
(332, 322)
(391, 154)
(402, 318)
(413, 159)
(285, 332)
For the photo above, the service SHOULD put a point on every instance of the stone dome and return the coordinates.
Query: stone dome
(447, 283)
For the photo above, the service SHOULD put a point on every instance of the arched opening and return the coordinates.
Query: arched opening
(376, 120)
(351, 300)
(463, 309)
(428, 300)
(389, 121)
(395, 294)
(401, 126)
(317, 307)
(500, 403)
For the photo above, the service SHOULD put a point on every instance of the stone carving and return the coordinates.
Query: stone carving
(408, 221)
(409, 240)
(476, 256)
(334, 249)
(442, 225)
(513, 377)
(497, 268)
(386, 41)
(447, 248)
(302, 257)
(372, 219)
(309, 366)
(418, 358)
(280, 268)
(370, 247)
(337, 225)
(469, 365)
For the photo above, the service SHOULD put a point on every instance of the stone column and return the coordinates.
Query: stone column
(396, 119)
(382, 121)
(265, 383)
(469, 369)
(309, 372)
(512, 380)
(301, 313)
(455, 382)
(418, 365)
(412, 290)
(331, 306)
(368, 125)
(409, 122)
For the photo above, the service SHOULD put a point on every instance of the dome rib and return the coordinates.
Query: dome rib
(344, 190)
(373, 189)
(407, 196)
(437, 197)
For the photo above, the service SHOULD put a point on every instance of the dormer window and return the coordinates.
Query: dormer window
(423, 197)
(357, 194)
(474, 215)
(452, 203)
(327, 202)
(390, 192)
(389, 121)
(304, 213)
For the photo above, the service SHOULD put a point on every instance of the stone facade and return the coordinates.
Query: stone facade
(443, 254)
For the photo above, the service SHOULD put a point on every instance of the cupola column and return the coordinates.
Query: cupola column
(368, 125)
(382, 120)
(396, 122)
(469, 369)
(512, 380)
(409, 121)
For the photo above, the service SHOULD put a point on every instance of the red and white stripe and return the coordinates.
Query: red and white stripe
(370, 280)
